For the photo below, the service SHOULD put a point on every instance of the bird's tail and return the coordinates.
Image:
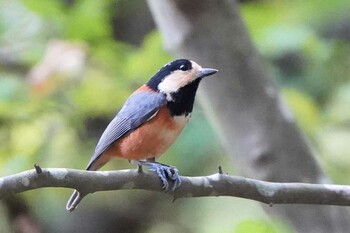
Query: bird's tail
(76, 197)
(73, 201)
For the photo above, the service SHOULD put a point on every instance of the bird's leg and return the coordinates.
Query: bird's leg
(164, 173)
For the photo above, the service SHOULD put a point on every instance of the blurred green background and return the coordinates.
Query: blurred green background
(67, 66)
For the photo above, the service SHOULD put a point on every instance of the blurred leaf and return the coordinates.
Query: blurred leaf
(49, 8)
(260, 226)
(26, 138)
(249, 226)
(111, 56)
(260, 15)
(336, 111)
(305, 110)
(149, 59)
(281, 39)
(99, 94)
(83, 20)
(88, 20)
(334, 148)
(12, 97)
(10, 89)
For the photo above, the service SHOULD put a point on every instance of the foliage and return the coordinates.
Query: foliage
(259, 226)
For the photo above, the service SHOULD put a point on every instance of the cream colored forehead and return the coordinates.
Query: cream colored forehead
(195, 66)
(179, 78)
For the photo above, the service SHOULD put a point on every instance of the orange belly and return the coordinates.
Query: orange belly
(151, 139)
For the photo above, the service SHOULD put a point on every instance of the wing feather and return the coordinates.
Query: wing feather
(138, 109)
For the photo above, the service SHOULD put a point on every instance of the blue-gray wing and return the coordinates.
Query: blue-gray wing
(139, 108)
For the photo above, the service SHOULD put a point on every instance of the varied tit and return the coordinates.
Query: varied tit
(150, 121)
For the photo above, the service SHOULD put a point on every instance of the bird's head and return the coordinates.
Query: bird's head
(175, 76)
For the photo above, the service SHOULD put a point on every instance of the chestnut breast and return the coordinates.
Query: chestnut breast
(151, 139)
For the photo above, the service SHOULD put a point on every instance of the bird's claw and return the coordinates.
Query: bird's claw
(165, 172)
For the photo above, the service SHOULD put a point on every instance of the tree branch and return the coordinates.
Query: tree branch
(213, 185)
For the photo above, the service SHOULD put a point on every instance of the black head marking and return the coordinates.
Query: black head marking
(183, 100)
(180, 64)
(179, 88)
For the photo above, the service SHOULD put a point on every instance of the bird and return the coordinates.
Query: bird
(150, 121)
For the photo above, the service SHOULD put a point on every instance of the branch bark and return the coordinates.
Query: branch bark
(202, 186)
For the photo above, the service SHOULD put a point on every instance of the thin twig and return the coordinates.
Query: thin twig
(220, 170)
(38, 169)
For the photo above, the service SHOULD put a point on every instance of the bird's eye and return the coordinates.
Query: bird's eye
(184, 67)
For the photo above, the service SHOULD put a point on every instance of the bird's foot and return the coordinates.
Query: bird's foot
(165, 173)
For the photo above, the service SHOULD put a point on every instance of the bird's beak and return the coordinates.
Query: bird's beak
(206, 72)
